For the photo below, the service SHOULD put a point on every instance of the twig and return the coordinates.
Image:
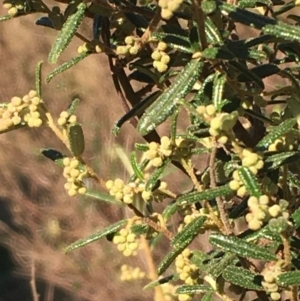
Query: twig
(32, 282)
(159, 295)
(151, 223)
(213, 184)
(200, 19)
(151, 28)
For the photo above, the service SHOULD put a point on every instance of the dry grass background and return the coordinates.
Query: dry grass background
(38, 219)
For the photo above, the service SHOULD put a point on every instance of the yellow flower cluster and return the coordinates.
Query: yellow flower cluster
(168, 7)
(160, 58)
(13, 7)
(209, 223)
(65, 118)
(126, 192)
(20, 110)
(261, 212)
(157, 152)
(169, 291)
(258, 211)
(74, 177)
(129, 273)
(221, 124)
(251, 160)
(269, 283)
(284, 143)
(126, 242)
(131, 46)
(92, 46)
(188, 272)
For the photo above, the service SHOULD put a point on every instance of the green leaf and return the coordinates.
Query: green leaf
(135, 111)
(100, 196)
(141, 147)
(139, 229)
(38, 79)
(207, 297)
(293, 180)
(216, 267)
(245, 17)
(289, 278)
(135, 166)
(284, 31)
(277, 160)
(276, 132)
(194, 289)
(161, 281)
(76, 138)
(67, 33)
(53, 155)
(140, 167)
(169, 211)
(240, 247)
(96, 236)
(166, 103)
(208, 194)
(67, 65)
(168, 259)
(242, 277)
(296, 217)
(189, 232)
(218, 90)
(250, 181)
(212, 32)
(221, 53)
(5, 18)
(156, 175)
(73, 106)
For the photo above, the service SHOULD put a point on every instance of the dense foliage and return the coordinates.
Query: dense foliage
(190, 57)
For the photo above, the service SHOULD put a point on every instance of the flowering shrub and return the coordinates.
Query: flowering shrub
(191, 59)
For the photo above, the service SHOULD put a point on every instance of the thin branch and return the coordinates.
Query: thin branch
(35, 295)
(213, 184)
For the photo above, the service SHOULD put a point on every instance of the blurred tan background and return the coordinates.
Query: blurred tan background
(37, 217)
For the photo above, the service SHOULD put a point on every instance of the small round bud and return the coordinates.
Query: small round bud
(134, 50)
(166, 13)
(156, 55)
(165, 59)
(129, 40)
(162, 46)
(275, 210)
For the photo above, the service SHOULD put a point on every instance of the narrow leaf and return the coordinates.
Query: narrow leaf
(276, 132)
(242, 277)
(165, 105)
(218, 90)
(104, 197)
(67, 33)
(156, 175)
(194, 289)
(161, 281)
(67, 65)
(76, 138)
(189, 232)
(296, 217)
(135, 166)
(209, 194)
(240, 247)
(38, 79)
(250, 181)
(96, 236)
(289, 278)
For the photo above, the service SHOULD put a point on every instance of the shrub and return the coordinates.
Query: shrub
(190, 56)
